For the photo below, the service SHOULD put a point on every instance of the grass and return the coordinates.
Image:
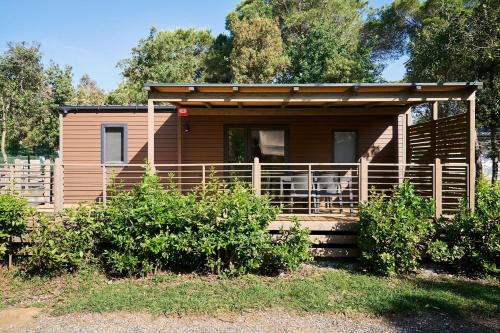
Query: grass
(310, 290)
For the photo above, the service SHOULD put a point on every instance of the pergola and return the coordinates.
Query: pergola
(363, 99)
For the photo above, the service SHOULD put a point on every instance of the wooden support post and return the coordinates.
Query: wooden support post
(256, 176)
(104, 185)
(151, 133)
(61, 135)
(179, 153)
(437, 190)
(435, 108)
(58, 185)
(402, 146)
(472, 151)
(435, 116)
(363, 180)
(407, 148)
(309, 188)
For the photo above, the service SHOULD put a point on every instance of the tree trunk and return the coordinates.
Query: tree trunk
(494, 153)
(4, 131)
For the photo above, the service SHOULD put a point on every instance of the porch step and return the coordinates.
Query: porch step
(332, 236)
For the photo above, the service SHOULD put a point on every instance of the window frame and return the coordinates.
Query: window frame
(124, 147)
(356, 151)
(248, 138)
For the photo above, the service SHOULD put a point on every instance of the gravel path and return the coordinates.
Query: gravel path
(251, 322)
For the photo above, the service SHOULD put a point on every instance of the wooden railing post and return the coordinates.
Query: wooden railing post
(12, 177)
(437, 190)
(203, 175)
(309, 188)
(104, 185)
(256, 176)
(17, 173)
(363, 180)
(58, 185)
(46, 181)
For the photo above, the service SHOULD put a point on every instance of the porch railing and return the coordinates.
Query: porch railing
(299, 188)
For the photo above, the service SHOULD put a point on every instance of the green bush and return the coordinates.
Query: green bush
(14, 215)
(231, 226)
(290, 249)
(393, 231)
(219, 228)
(65, 245)
(147, 228)
(470, 243)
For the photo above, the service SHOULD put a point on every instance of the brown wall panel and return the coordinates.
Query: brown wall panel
(310, 140)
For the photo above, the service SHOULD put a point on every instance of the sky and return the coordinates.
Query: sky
(93, 35)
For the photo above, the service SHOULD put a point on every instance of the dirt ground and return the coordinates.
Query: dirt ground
(34, 320)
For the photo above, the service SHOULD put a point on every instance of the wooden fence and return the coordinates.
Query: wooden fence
(443, 138)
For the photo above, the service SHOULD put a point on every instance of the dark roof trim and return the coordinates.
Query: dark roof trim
(291, 85)
(112, 108)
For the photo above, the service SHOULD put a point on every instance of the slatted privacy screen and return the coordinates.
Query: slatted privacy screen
(382, 178)
(30, 179)
(454, 187)
(302, 188)
(445, 138)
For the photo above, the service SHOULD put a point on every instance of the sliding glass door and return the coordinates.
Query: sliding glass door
(243, 143)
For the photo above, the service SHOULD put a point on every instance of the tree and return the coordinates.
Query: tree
(218, 60)
(23, 97)
(87, 92)
(165, 56)
(322, 38)
(59, 82)
(257, 50)
(450, 41)
(127, 93)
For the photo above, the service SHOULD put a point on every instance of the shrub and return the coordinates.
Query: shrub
(290, 249)
(65, 245)
(216, 227)
(231, 226)
(393, 231)
(470, 243)
(14, 215)
(147, 228)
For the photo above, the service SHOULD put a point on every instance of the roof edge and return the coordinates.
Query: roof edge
(478, 84)
(107, 108)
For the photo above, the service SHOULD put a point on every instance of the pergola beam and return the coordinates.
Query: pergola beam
(300, 97)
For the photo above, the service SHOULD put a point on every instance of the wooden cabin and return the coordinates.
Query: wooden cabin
(315, 149)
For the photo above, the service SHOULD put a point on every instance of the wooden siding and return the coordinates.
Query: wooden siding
(82, 146)
(310, 140)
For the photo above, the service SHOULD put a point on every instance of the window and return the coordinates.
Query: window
(345, 147)
(242, 144)
(113, 143)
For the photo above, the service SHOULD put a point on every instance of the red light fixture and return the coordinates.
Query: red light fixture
(182, 112)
